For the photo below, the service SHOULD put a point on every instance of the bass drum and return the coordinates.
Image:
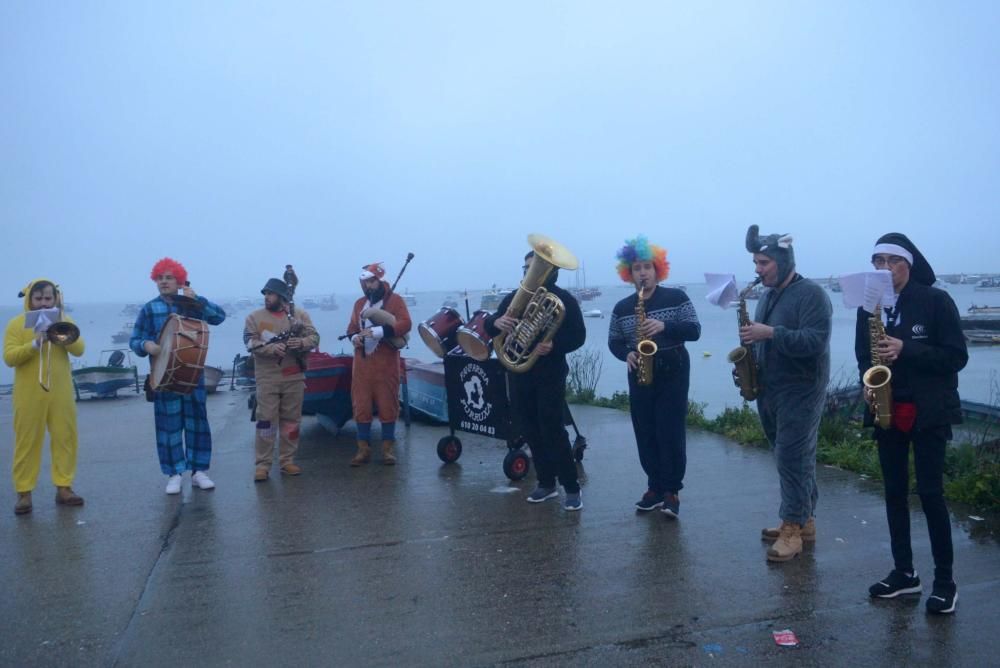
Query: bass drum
(473, 337)
(438, 331)
(183, 349)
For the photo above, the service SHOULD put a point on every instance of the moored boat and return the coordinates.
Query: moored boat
(114, 371)
(425, 385)
(328, 387)
(213, 374)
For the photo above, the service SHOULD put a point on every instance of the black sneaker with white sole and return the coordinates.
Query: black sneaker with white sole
(896, 584)
(671, 505)
(650, 501)
(542, 494)
(943, 598)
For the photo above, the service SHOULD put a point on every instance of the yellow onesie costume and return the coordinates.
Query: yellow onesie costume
(35, 409)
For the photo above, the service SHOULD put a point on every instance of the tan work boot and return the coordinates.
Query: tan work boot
(388, 458)
(363, 455)
(23, 505)
(65, 496)
(291, 469)
(808, 532)
(789, 543)
(261, 474)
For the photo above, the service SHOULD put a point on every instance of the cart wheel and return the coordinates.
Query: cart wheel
(449, 449)
(579, 445)
(516, 464)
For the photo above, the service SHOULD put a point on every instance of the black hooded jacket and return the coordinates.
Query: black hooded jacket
(934, 351)
(570, 335)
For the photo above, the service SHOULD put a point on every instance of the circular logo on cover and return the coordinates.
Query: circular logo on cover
(474, 383)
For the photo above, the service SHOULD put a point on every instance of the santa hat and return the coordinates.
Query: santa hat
(373, 270)
(895, 243)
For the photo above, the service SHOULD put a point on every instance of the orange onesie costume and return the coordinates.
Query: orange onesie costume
(379, 321)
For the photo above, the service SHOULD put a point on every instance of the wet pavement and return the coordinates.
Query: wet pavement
(428, 564)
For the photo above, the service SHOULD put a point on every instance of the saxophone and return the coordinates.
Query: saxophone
(538, 311)
(645, 347)
(742, 357)
(878, 377)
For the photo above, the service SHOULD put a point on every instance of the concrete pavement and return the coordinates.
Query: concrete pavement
(427, 564)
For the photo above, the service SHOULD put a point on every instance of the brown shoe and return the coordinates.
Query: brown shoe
(363, 455)
(789, 543)
(23, 505)
(388, 458)
(291, 469)
(261, 474)
(65, 496)
(808, 532)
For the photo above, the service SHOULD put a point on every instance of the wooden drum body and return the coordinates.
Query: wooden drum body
(183, 348)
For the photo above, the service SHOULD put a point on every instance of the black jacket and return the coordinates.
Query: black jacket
(570, 336)
(934, 351)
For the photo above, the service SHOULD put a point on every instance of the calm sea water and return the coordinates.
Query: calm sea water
(711, 381)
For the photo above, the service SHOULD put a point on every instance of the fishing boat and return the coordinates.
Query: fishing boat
(328, 303)
(409, 298)
(593, 313)
(988, 284)
(310, 302)
(131, 309)
(982, 337)
(491, 298)
(426, 389)
(114, 371)
(328, 388)
(982, 318)
(124, 334)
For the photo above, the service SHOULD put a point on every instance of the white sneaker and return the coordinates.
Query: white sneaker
(174, 484)
(201, 480)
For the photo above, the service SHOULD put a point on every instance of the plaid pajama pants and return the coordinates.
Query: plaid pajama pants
(183, 438)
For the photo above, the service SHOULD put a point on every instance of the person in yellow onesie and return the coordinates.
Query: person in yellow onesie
(35, 409)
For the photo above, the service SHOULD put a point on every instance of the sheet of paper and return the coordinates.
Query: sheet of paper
(722, 289)
(868, 289)
(41, 319)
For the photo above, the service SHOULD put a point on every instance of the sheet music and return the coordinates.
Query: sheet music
(722, 289)
(868, 289)
(41, 319)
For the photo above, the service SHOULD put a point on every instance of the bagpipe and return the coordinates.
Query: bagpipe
(381, 317)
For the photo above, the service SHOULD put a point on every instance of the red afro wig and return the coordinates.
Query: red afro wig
(640, 250)
(168, 265)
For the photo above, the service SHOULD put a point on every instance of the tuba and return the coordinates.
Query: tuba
(61, 333)
(539, 312)
(646, 348)
(745, 364)
(878, 376)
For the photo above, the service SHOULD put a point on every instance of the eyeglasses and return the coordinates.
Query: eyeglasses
(879, 261)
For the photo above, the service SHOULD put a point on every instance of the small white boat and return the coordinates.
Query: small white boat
(213, 374)
(593, 313)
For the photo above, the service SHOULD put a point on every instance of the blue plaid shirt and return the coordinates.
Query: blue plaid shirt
(154, 315)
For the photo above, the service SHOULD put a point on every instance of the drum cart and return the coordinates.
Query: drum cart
(478, 403)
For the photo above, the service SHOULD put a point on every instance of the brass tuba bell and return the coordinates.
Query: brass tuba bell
(539, 312)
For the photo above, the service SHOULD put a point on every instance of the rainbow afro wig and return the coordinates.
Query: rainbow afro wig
(640, 250)
(168, 265)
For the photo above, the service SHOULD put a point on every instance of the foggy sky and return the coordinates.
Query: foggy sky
(237, 137)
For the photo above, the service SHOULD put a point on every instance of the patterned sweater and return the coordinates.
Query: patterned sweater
(669, 305)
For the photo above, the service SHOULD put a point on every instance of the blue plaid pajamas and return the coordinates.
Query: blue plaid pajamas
(183, 437)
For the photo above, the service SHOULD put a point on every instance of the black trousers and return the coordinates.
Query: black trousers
(538, 399)
(929, 446)
(659, 414)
